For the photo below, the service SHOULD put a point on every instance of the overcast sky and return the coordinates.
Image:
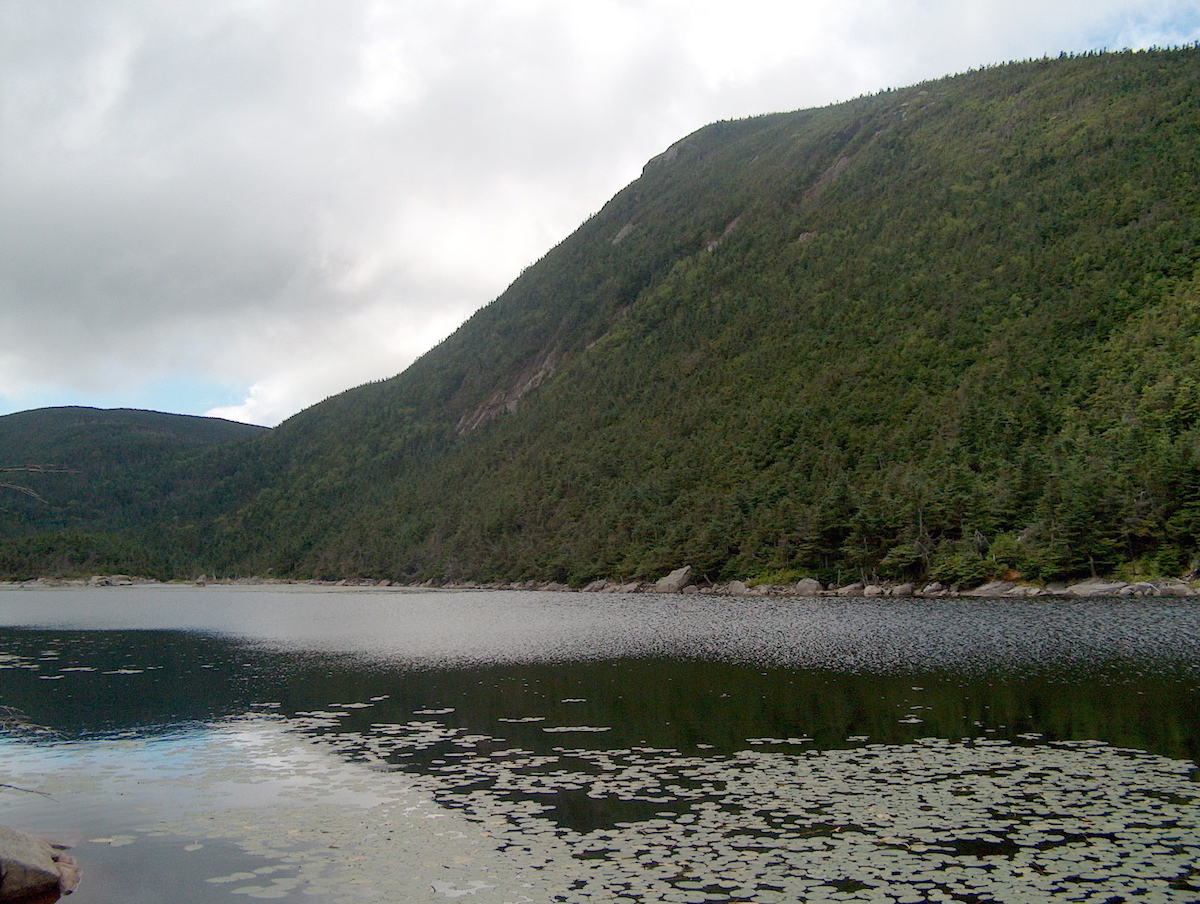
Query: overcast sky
(240, 207)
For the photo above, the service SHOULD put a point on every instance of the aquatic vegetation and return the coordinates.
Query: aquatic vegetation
(937, 820)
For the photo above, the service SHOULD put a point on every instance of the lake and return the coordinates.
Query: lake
(324, 744)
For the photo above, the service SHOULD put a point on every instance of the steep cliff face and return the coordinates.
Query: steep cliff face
(937, 331)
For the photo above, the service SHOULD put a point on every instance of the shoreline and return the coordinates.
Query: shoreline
(807, 588)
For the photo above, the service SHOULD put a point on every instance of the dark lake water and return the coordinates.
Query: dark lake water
(329, 745)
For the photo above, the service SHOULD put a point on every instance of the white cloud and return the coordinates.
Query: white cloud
(295, 197)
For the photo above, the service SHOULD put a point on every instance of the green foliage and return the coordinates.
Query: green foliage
(105, 472)
(73, 554)
(948, 331)
(780, 577)
(959, 563)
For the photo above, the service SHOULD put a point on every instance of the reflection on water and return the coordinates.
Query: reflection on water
(326, 747)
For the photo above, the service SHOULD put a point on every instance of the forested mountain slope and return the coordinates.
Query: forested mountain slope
(89, 481)
(949, 330)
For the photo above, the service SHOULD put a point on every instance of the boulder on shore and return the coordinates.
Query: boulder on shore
(1097, 587)
(110, 580)
(1025, 590)
(808, 587)
(675, 581)
(1175, 588)
(855, 589)
(737, 588)
(33, 870)
(992, 588)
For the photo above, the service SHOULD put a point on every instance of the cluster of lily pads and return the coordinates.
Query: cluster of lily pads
(937, 820)
(424, 810)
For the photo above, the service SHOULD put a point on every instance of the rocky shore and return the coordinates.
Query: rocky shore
(680, 581)
(684, 580)
(33, 871)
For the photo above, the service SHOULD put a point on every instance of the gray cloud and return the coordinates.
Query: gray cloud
(281, 199)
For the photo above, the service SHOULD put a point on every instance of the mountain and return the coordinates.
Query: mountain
(89, 482)
(944, 331)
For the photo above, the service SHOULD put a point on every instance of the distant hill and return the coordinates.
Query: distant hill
(106, 476)
(77, 435)
(944, 331)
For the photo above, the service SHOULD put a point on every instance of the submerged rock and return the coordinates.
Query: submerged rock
(33, 871)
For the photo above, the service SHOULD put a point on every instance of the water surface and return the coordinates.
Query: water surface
(341, 745)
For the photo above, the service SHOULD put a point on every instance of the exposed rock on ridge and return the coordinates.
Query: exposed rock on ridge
(505, 401)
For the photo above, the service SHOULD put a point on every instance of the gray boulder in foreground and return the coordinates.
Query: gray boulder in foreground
(33, 871)
(675, 581)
